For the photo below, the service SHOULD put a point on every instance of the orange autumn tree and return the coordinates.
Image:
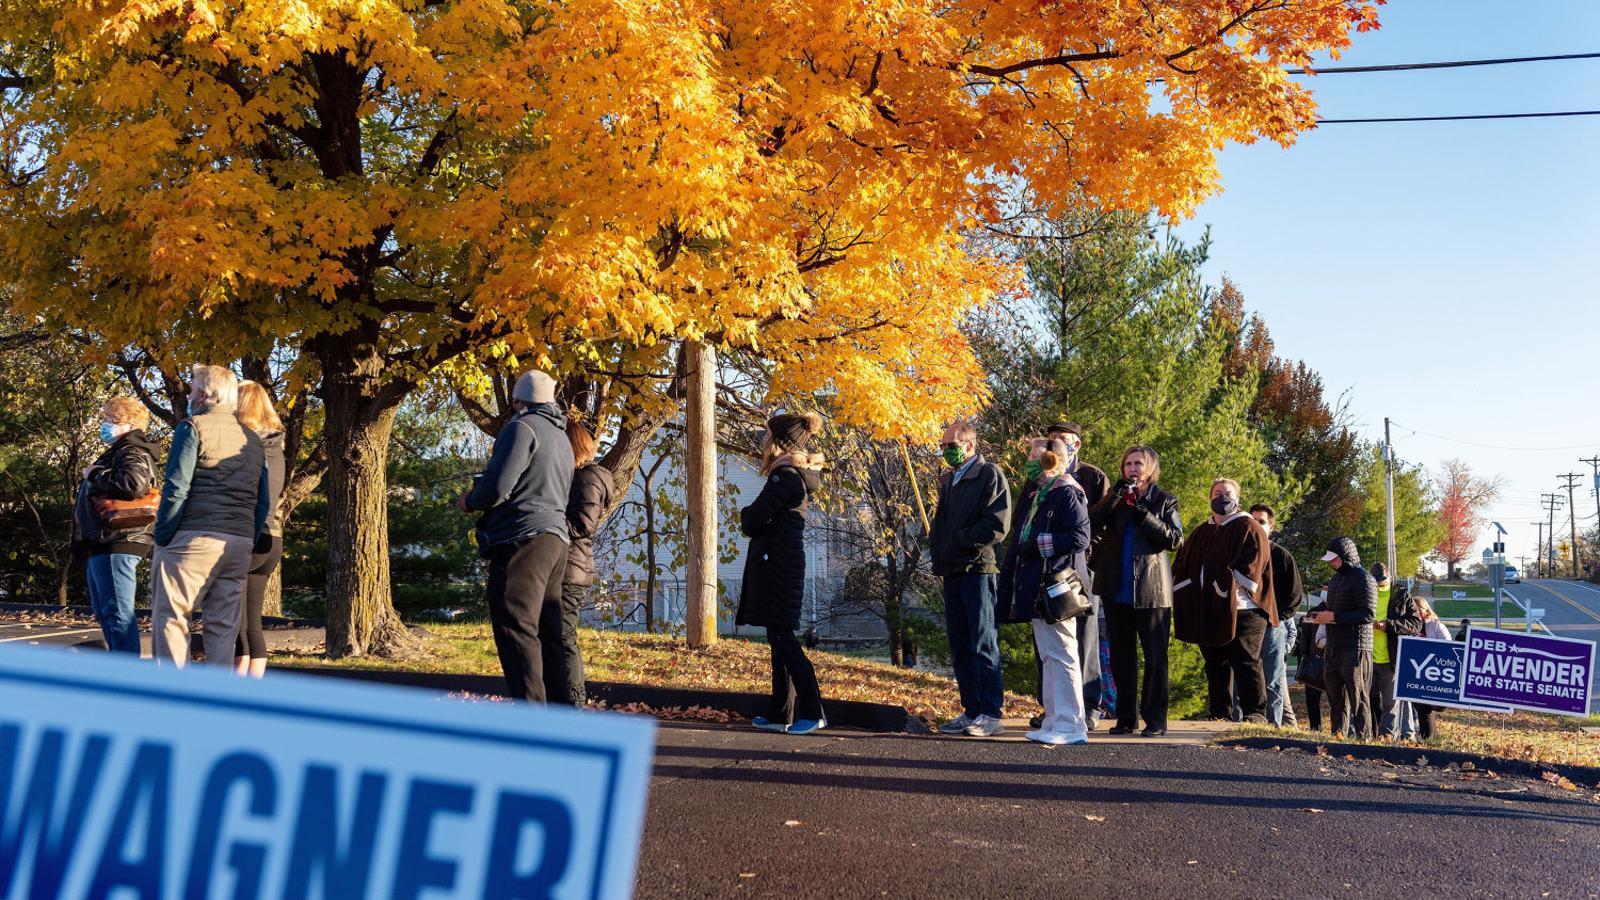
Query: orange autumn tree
(386, 185)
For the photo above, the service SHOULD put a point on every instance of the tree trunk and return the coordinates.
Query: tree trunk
(272, 597)
(701, 494)
(361, 615)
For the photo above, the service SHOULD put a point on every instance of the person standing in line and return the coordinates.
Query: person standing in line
(124, 474)
(773, 592)
(215, 497)
(1051, 535)
(256, 413)
(1223, 602)
(1312, 644)
(972, 517)
(1352, 605)
(1396, 617)
(1433, 629)
(1137, 525)
(1287, 593)
(522, 531)
(1093, 482)
(590, 497)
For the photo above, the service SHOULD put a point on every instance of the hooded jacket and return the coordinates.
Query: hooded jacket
(1059, 525)
(972, 517)
(125, 471)
(523, 492)
(272, 446)
(773, 589)
(592, 489)
(1353, 600)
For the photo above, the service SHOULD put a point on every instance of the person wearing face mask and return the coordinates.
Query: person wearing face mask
(1348, 613)
(972, 516)
(1288, 592)
(216, 496)
(1093, 482)
(113, 519)
(1051, 534)
(1136, 526)
(1223, 602)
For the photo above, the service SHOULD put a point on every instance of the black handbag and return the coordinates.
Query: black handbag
(1062, 596)
(1312, 671)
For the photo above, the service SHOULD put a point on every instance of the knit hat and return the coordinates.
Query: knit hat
(535, 387)
(790, 431)
(1380, 572)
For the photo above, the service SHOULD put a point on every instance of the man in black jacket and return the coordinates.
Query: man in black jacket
(523, 531)
(973, 515)
(1287, 591)
(1352, 605)
(1093, 481)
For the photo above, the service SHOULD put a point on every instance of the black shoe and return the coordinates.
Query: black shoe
(1122, 729)
(1153, 732)
(1036, 722)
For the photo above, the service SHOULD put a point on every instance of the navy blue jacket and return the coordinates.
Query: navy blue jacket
(523, 493)
(1064, 515)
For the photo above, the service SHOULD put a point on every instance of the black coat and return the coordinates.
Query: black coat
(1157, 530)
(1064, 515)
(1404, 619)
(592, 488)
(125, 471)
(1353, 600)
(774, 585)
(1287, 588)
(971, 519)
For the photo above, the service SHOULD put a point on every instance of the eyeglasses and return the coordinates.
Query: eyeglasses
(949, 446)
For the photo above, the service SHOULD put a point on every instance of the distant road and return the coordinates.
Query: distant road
(1571, 609)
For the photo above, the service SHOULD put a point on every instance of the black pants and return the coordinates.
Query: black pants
(1238, 660)
(1424, 719)
(1383, 712)
(1313, 708)
(795, 694)
(563, 660)
(1348, 674)
(524, 579)
(1128, 631)
(252, 642)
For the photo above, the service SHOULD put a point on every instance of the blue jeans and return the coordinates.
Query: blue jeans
(974, 643)
(113, 579)
(1273, 647)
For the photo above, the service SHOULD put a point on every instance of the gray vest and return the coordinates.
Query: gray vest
(227, 475)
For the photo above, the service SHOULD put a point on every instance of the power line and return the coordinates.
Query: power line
(1452, 440)
(1449, 64)
(1481, 116)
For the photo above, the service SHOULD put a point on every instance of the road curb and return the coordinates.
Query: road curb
(1588, 776)
(877, 717)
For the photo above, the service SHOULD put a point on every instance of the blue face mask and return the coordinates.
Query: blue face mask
(108, 432)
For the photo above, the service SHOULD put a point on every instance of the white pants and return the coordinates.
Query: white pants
(198, 567)
(1063, 678)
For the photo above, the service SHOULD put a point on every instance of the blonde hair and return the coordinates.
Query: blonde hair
(582, 441)
(255, 409)
(125, 411)
(1152, 461)
(1237, 491)
(217, 385)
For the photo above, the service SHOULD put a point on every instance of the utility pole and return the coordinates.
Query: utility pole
(1550, 502)
(1594, 463)
(1538, 552)
(1572, 518)
(1388, 494)
(700, 426)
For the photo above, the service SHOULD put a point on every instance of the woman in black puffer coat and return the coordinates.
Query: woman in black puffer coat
(775, 571)
(587, 502)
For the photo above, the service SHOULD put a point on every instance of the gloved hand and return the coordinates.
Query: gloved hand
(263, 544)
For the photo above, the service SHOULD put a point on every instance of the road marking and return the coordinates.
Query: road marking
(54, 634)
(1585, 585)
(1573, 603)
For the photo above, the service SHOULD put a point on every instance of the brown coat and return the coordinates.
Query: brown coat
(1203, 609)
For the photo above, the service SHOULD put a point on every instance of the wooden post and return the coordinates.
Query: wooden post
(700, 433)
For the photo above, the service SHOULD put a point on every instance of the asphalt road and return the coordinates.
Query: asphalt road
(736, 813)
(1571, 609)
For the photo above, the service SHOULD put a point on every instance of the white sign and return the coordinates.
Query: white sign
(1458, 595)
(120, 779)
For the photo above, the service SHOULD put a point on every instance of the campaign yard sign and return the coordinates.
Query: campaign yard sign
(119, 779)
(1431, 671)
(1529, 671)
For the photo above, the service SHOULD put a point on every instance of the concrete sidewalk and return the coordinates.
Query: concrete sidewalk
(1178, 733)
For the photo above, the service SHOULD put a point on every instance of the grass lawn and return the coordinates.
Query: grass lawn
(664, 661)
(1453, 611)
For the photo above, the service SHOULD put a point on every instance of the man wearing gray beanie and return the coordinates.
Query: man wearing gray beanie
(523, 530)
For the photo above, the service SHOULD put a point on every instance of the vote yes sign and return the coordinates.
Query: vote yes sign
(118, 779)
(1431, 671)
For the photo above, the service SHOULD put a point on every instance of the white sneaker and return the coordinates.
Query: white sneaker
(958, 725)
(1056, 738)
(985, 726)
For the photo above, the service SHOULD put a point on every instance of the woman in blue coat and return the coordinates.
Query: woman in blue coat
(775, 570)
(1050, 532)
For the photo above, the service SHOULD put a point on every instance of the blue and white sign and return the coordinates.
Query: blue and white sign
(1431, 671)
(118, 779)
(1529, 671)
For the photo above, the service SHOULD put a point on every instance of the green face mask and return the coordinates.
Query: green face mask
(1032, 469)
(954, 456)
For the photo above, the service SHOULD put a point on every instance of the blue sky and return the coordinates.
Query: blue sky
(1442, 273)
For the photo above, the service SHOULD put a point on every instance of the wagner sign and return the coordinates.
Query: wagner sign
(118, 779)
(1529, 671)
(1430, 671)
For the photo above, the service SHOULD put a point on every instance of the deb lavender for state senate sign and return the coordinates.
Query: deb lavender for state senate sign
(1529, 671)
(119, 779)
